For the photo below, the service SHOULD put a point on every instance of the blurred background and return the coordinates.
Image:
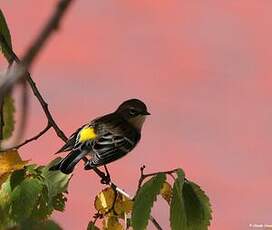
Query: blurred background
(202, 67)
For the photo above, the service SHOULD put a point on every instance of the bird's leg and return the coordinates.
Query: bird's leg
(85, 159)
(107, 173)
(105, 179)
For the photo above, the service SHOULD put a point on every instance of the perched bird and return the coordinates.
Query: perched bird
(106, 138)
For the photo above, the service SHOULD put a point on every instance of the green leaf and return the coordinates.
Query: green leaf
(91, 226)
(58, 202)
(5, 197)
(144, 201)
(197, 205)
(43, 207)
(190, 208)
(177, 209)
(8, 115)
(17, 177)
(56, 181)
(24, 198)
(4, 31)
(31, 224)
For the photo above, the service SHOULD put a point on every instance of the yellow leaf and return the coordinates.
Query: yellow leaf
(123, 205)
(112, 223)
(104, 200)
(10, 161)
(166, 192)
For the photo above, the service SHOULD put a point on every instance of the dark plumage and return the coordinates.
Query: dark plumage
(106, 138)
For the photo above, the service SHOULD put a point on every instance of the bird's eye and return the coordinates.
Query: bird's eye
(132, 112)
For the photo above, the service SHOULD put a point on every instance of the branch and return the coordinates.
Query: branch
(19, 71)
(144, 176)
(36, 92)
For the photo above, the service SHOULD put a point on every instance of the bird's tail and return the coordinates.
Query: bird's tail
(67, 164)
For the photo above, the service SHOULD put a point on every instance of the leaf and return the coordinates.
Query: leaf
(123, 205)
(17, 177)
(104, 200)
(31, 224)
(43, 207)
(8, 116)
(112, 223)
(91, 226)
(166, 192)
(5, 198)
(190, 208)
(144, 201)
(197, 205)
(56, 181)
(9, 162)
(24, 198)
(4, 31)
(177, 209)
(58, 202)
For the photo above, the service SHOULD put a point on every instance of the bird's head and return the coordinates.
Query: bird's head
(134, 111)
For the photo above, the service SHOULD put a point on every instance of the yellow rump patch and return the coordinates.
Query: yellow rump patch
(86, 134)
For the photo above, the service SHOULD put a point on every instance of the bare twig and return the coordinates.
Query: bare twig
(30, 139)
(155, 222)
(8, 80)
(144, 176)
(36, 92)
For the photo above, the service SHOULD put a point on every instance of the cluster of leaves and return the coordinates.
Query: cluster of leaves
(29, 193)
(189, 207)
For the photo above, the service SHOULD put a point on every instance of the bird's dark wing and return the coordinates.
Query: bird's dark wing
(69, 145)
(116, 139)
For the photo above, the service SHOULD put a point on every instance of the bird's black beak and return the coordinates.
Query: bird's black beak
(146, 113)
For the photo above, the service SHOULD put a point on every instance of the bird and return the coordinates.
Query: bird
(104, 139)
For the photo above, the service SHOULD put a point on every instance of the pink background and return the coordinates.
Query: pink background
(202, 67)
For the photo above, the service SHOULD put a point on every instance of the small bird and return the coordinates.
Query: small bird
(105, 139)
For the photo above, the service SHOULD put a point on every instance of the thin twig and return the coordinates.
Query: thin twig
(144, 176)
(36, 91)
(155, 222)
(9, 79)
(30, 139)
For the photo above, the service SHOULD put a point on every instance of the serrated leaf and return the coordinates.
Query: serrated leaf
(166, 192)
(112, 223)
(10, 161)
(24, 197)
(58, 202)
(8, 116)
(177, 209)
(56, 181)
(4, 30)
(91, 226)
(190, 207)
(144, 201)
(197, 206)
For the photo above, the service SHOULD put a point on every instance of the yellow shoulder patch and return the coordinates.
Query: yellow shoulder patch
(87, 133)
